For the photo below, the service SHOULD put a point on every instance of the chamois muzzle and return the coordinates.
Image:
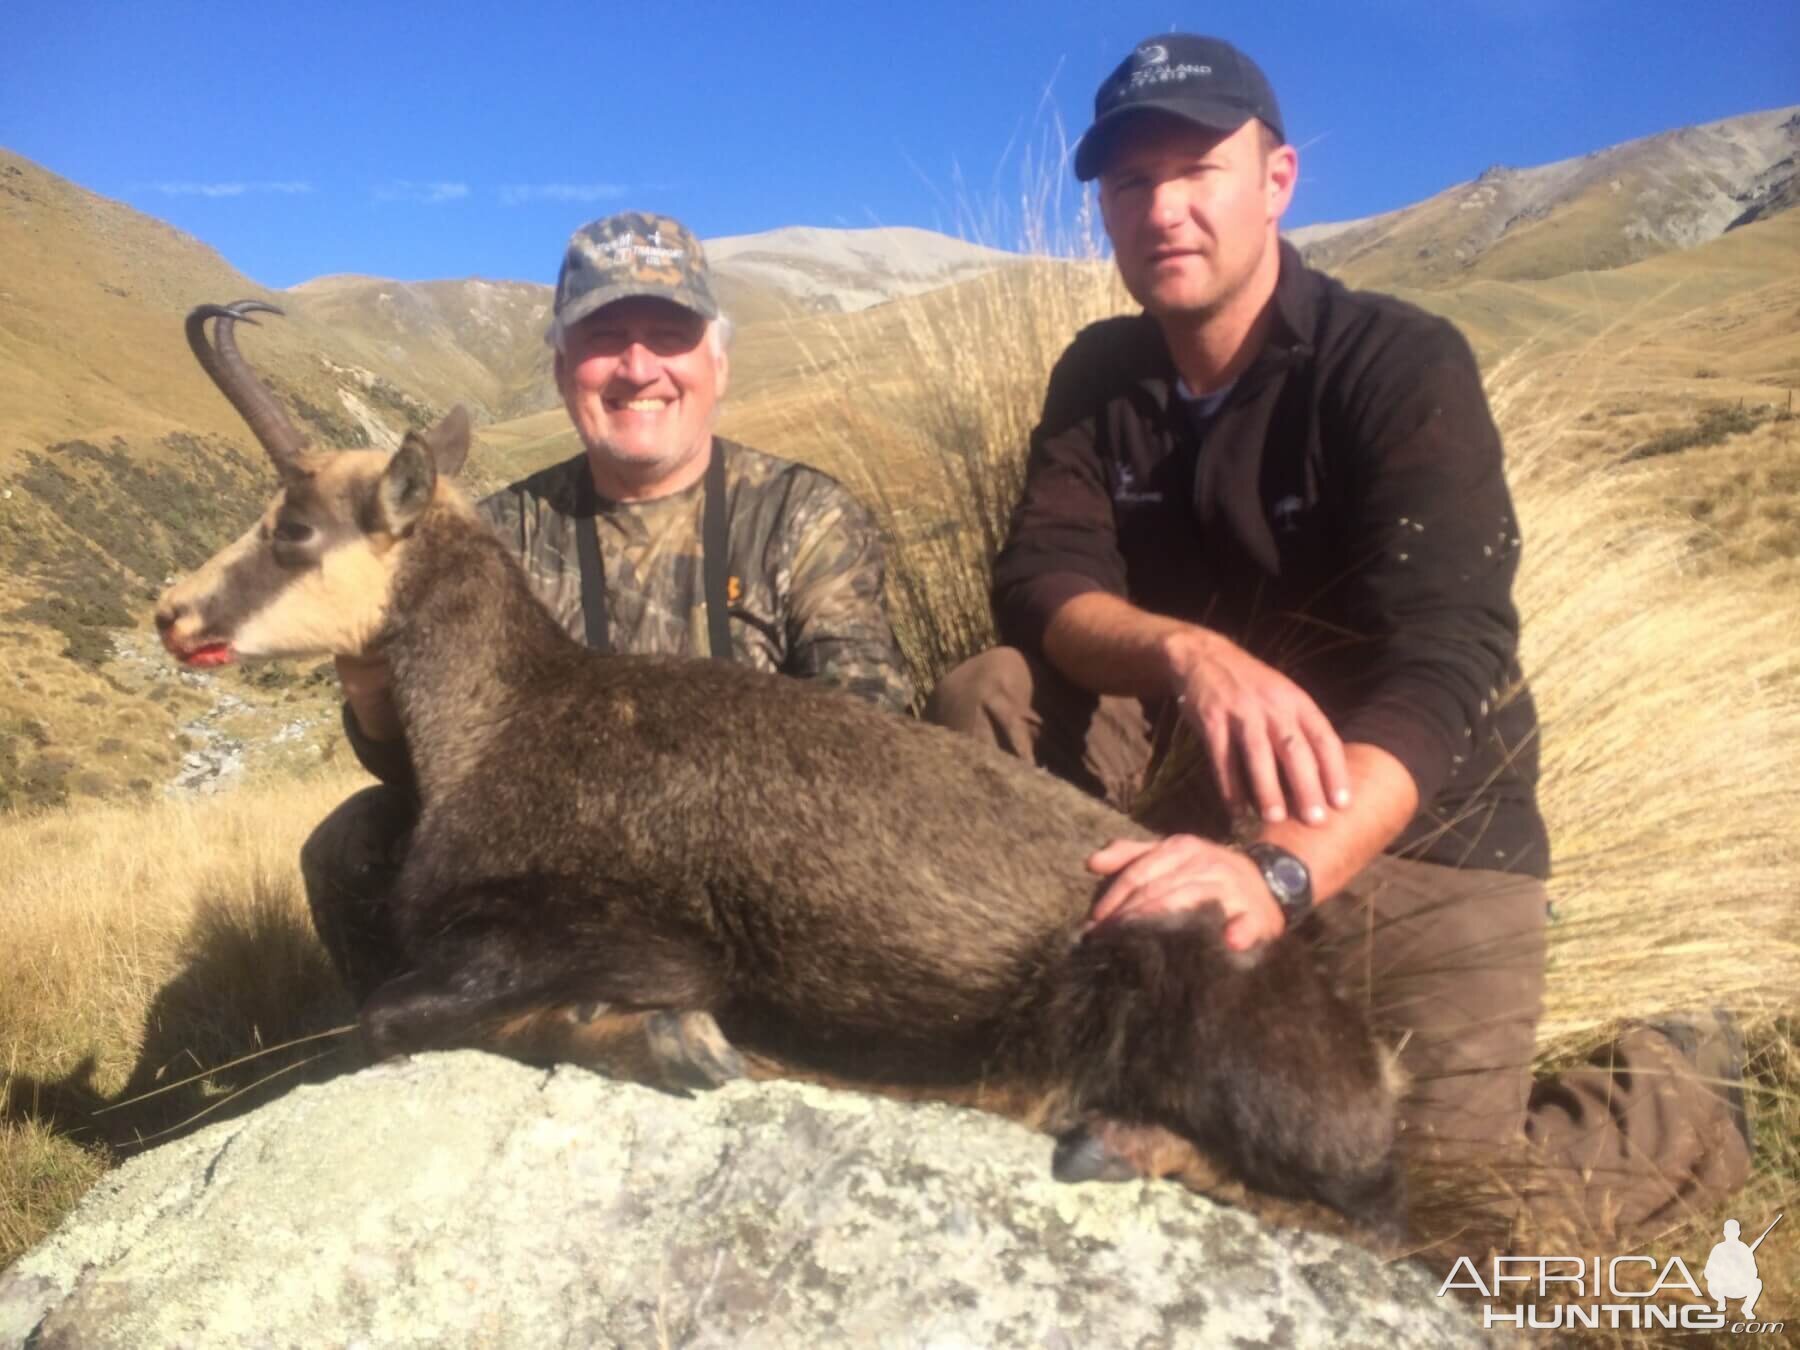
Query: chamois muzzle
(221, 360)
(172, 619)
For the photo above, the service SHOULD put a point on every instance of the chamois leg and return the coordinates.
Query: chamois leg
(610, 995)
(679, 1050)
(546, 970)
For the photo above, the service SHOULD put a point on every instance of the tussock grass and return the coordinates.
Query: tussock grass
(1745, 496)
(929, 425)
(101, 904)
(148, 944)
(1669, 696)
(1667, 677)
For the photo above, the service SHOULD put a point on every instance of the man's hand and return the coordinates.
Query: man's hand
(1183, 872)
(366, 682)
(1260, 728)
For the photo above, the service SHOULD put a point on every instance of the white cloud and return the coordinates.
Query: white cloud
(430, 194)
(518, 194)
(286, 188)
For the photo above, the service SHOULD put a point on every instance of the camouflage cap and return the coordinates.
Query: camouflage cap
(631, 254)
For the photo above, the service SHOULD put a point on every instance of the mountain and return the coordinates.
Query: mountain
(1603, 210)
(92, 299)
(847, 270)
(93, 294)
(471, 341)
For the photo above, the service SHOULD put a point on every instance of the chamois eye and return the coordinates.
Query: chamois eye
(292, 532)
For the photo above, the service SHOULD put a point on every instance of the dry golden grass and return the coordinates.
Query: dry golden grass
(1670, 707)
(1664, 652)
(100, 901)
(1745, 495)
(923, 409)
(145, 944)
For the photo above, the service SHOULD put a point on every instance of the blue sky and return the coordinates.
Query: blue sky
(419, 141)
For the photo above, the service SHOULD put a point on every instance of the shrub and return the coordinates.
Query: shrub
(1711, 427)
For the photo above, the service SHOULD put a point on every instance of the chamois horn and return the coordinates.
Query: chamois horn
(255, 404)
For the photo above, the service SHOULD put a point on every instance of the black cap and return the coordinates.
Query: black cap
(1202, 80)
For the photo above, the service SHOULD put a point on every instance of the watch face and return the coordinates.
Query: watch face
(1289, 875)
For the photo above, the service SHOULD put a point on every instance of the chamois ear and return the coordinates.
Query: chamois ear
(449, 441)
(406, 486)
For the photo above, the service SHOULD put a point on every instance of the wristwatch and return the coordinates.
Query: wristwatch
(1288, 879)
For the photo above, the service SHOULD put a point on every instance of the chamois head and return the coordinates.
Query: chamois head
(314, 574)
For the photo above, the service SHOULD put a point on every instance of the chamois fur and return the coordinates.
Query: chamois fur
(847, 893)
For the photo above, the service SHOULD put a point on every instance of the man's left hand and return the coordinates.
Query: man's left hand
(1183, 872)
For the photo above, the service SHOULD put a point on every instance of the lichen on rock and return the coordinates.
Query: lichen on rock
(462, 1199)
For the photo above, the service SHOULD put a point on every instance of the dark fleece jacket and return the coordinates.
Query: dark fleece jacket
(1343, 516)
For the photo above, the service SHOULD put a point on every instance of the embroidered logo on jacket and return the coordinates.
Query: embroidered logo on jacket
(1126, 491)
(1286, 514)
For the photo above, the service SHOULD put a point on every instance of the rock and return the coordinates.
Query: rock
(462, 1199)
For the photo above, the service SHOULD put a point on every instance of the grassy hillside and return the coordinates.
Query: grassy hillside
(120, 465)
(475, 342)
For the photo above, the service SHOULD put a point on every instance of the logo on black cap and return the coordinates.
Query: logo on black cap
(1201, 80)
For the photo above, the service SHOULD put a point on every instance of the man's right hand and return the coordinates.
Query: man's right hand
(1259, 728)
(367, 689)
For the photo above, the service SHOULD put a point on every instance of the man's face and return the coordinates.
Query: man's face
(642, 384)
(1190, 212)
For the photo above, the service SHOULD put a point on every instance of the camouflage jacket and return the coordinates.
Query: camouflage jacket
(804, 587)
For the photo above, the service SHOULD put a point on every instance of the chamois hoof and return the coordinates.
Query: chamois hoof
(406, 1015)
(691, 1052)
(1083, 1154)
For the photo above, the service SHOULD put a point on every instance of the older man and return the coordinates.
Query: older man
(658, 538)
(1273, 508)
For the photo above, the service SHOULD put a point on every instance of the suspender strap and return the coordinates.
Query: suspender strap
(715, 551)
(587, 549)
(715, 548)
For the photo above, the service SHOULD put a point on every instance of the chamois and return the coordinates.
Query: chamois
(693, 870)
